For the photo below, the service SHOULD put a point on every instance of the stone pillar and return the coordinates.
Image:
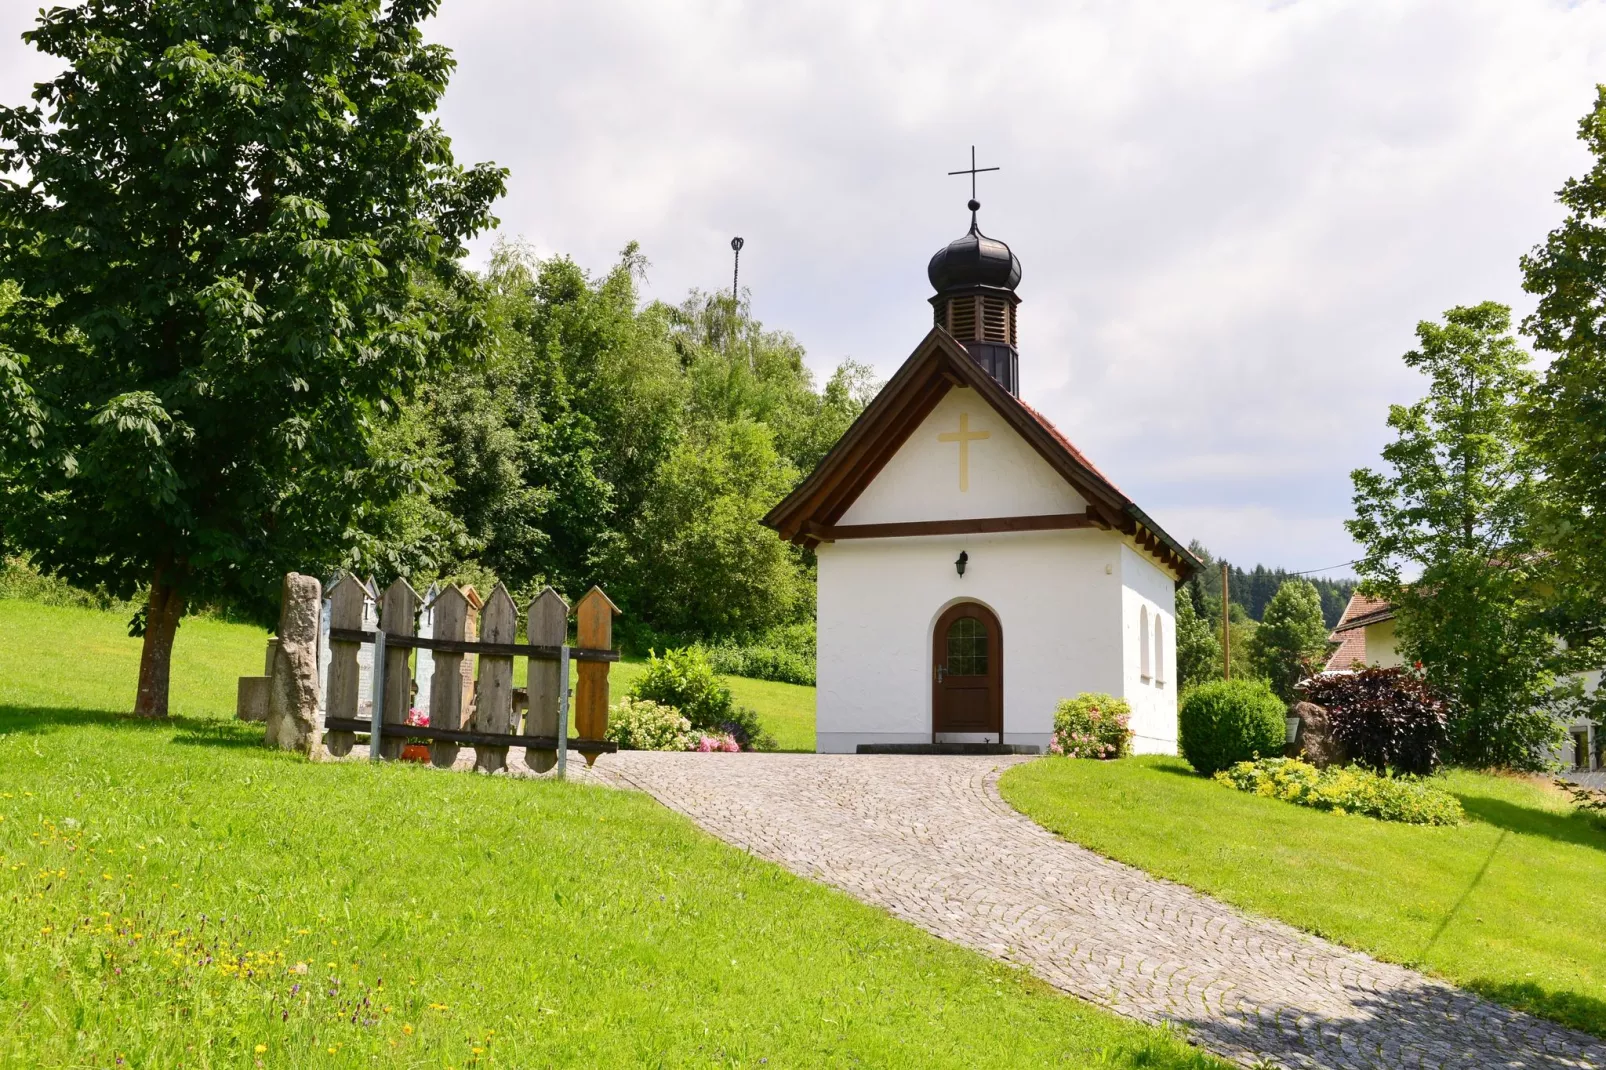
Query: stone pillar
(293, 693)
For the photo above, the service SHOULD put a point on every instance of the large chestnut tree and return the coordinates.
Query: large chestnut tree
(232, 233)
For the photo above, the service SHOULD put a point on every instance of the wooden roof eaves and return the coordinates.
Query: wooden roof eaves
(1185, 563)
(914, 389)
(859, 438)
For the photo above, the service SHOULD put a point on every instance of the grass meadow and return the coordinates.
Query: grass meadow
(173, 894)
(1508, 904)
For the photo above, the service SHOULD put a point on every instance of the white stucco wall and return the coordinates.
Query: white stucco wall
(921, 481)
(1153, 697)
(1059, 599)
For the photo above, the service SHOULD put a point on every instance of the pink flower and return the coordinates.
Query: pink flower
(417, 718)
(722, 741)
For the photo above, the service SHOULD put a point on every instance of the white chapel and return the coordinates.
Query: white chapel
(974, 566)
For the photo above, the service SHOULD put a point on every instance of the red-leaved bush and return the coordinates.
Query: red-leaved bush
(1384, 718)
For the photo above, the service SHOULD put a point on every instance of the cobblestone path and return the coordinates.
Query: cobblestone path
(930, 840)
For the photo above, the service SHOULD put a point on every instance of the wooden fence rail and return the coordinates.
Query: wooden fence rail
(365, 643)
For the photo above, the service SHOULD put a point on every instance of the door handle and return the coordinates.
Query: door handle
(941, 669)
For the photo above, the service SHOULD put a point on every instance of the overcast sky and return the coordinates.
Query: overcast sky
(1230, 215)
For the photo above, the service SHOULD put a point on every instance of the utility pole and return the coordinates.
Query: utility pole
(1226, 632)
(736, 270)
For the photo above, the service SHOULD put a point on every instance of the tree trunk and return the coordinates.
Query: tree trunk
(162, 614)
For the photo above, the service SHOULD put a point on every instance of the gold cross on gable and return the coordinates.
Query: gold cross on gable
(964, 436)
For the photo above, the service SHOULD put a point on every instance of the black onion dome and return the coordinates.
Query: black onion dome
(974, 260)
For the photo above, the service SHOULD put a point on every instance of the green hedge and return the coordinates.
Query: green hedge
(1227, 721)
(762, 663)
(1346, 790)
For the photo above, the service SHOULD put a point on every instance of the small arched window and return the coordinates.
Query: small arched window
(1143, 642)
(1159, 650)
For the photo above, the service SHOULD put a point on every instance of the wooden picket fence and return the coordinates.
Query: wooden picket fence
(465, 711)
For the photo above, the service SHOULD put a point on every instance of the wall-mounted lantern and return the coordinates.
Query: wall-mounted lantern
(959, 565)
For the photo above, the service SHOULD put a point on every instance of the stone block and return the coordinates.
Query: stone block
(252, 702)
(1316, 743)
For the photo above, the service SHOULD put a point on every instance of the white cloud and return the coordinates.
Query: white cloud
(1231, 215)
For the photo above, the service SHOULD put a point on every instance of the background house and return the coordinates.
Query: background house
(1366, 637)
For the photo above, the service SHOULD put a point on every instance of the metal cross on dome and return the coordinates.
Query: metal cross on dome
(973, 171)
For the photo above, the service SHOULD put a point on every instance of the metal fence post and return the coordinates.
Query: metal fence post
(376, 719)
(563, 710)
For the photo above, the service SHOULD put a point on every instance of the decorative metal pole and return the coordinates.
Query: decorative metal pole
(1226, 630)
(736, 270)
(376, 718)
(563, 710)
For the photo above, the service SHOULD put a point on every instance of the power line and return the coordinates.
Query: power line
(1328, 569)
(1309, 571)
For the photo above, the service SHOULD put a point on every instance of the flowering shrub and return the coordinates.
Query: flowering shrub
(1384, 718)
(684, 678)
(1092, 726)
(1346, 790)
(719, 741)
(639, 724)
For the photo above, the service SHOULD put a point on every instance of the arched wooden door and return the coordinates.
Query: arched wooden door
(967, 655)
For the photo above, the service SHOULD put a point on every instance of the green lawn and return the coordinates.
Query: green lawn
(174, 894)
(1508, 904)
(209, 656)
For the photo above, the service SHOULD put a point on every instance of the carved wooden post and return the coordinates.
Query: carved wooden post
(398, 611)
(347, 597)
(549, 626)
(594, 616)
(446, 686)
(493, 698)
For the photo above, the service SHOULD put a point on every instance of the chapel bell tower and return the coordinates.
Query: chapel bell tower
(975, 278)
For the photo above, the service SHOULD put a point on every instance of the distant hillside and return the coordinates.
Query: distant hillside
(1253, 588)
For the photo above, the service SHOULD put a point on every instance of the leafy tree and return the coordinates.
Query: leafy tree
(236, 245)
(1198, 649)
(598, 441)
(739, 370)
(1254, 588)
(1566, 421)
(702, 561)
(550, 440)
(1291, 636)
(1455, 507)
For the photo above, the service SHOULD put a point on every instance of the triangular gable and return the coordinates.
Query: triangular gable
(937, 365)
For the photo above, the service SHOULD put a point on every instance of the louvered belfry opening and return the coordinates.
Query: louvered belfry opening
(977, 317)
(975, 302)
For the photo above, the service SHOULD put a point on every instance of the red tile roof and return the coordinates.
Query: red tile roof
(1360, 612)
(1350, 634)
(1069, 447)
(1351, 649)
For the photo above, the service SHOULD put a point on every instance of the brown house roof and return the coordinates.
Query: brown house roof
(1360, 612)
(938, 365)
(1350, 633)
(1351, 650)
